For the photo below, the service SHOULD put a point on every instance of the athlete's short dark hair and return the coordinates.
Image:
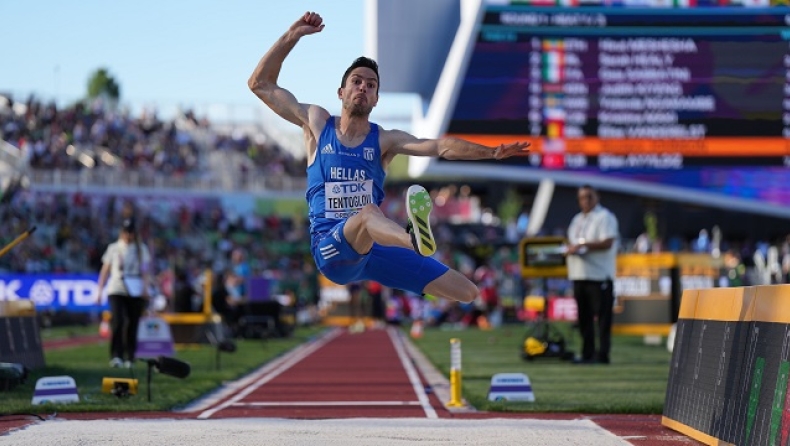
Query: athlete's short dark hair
(365, 62)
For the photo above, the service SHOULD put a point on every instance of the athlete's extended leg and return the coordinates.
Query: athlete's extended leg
(454, 286)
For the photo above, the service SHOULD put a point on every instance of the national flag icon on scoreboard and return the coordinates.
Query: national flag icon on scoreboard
(553, 60)
(552, 100)
(555, 128)
(554, 117)
(553, 153)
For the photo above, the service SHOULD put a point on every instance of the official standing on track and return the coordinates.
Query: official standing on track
(592, 257)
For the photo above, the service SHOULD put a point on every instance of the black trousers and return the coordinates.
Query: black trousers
(595, 299)
(126, 312)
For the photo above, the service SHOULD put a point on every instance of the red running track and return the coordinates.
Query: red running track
(370, 375)
(340, 376)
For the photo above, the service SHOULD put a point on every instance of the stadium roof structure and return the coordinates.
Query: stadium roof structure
(425, 47)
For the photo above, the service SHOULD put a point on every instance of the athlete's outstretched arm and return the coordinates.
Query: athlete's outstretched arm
(399, 142)
(263, 81)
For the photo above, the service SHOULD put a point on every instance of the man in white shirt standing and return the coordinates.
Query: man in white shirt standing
(592, 256)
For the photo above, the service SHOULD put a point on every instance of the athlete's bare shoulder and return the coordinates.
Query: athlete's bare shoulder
(316, 119)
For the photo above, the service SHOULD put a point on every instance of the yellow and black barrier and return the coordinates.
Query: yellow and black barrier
(192, 328)
(20, 337)
(728, 379)
(649, 288)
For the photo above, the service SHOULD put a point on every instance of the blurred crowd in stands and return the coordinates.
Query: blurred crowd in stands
(52, 138)
(188, 236)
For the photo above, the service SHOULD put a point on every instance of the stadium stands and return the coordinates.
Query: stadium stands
(94, 144)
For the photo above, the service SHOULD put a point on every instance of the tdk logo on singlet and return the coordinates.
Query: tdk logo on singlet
(349, 188)
(328, 150)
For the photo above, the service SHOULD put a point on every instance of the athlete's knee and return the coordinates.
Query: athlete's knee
(468, 293)
(453, 285)
(462, 292)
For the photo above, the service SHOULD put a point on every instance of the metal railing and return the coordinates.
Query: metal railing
(119, 178)
(11, 155)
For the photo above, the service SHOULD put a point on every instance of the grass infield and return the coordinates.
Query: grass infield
(634, 382)
(88, 364)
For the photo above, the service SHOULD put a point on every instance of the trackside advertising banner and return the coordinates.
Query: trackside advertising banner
(55, 292)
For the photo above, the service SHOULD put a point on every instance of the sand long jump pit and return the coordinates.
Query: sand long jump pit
(289, 432)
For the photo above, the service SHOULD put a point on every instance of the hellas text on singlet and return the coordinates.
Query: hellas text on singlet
(347, 192)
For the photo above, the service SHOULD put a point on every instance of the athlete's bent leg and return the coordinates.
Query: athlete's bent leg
(454, 286)
(371, 225)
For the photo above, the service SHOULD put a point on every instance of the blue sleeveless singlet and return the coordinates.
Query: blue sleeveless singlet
(342, 180)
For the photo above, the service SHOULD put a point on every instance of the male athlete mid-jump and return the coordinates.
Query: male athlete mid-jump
(347, 156)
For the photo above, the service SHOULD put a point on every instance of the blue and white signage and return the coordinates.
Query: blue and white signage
(154, 338)
(510, 387)
(55, 389)
(71, 292)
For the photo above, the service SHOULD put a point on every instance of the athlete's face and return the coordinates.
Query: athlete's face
(360, 94)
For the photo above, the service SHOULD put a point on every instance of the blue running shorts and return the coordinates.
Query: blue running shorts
(391, 266)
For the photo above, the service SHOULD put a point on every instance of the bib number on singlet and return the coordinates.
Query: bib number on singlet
(347, 198)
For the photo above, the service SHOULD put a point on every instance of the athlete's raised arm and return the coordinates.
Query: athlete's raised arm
(263, 81)
(396, 142)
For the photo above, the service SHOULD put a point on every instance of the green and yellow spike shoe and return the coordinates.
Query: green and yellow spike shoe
(418, 206)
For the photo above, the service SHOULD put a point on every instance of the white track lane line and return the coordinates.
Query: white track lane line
(287, 362)
(419, 390)
(230, 388)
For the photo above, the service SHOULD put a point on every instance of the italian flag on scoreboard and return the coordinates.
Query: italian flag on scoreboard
(553, 61)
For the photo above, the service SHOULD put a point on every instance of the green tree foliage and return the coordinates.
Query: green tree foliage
(102, 83)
